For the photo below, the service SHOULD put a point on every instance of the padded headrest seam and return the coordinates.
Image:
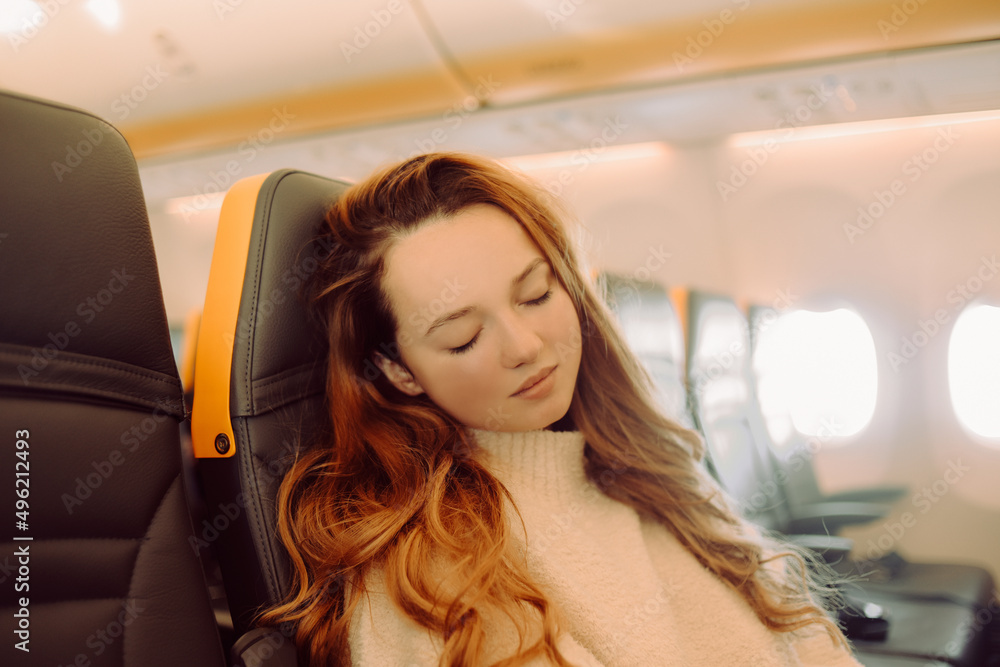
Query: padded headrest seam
(82, 374)
(285, 388)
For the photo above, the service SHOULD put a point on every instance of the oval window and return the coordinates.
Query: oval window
(816, 373)
(974, 369)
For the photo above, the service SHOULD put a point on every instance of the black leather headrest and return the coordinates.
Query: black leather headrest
(77, 313)
(277, 365)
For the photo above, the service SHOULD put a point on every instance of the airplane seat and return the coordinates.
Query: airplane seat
(720, 380)
(259, 385)
(653, 331)
(196, 498)
(97, 562)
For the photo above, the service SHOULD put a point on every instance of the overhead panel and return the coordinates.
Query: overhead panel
(339, 65)
(539, 48)
(190, 74)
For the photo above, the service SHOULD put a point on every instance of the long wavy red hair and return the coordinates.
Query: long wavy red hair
(398, 488)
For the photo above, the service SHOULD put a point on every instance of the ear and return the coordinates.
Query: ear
(398, 375)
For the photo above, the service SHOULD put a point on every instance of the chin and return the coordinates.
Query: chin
(553, 417)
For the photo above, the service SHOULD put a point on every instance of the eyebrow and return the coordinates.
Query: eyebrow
(462, 312)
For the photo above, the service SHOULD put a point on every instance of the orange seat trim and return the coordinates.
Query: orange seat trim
(210, 414)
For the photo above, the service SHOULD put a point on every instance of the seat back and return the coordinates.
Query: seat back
(653, 331)
(259, 377)
(90, 409)
(721, 386)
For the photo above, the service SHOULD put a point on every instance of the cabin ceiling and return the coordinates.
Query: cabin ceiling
(192, 75)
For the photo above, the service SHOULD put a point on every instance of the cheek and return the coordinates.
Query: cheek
(461, 384)
(564, 327)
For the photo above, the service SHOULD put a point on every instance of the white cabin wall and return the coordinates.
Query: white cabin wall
(630, 213)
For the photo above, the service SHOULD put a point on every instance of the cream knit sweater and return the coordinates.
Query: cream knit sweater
(629, 594)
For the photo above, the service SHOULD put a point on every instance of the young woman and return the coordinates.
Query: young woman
(499, 488)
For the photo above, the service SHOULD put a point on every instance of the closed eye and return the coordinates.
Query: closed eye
(468, 346)
(540, 300)
(465, 348)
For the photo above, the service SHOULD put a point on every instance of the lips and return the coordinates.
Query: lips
(534, 379)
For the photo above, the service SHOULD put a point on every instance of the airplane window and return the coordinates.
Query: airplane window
(816, 373)
(974, 369)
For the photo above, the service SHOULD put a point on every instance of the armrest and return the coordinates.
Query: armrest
(264, 647)
(830, 547)
(876, 494)
(830, 517)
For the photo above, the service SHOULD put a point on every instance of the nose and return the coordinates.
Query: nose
(520, 344)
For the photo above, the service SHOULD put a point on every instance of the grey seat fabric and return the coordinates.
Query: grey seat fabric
(277, 391)
(88, 383)
(653, 331)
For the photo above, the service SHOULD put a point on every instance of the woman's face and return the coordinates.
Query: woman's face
(485, 328)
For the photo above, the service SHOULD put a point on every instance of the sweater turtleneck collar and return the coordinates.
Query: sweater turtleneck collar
(547, 462)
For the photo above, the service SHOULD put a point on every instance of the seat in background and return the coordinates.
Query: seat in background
(722, 394)
(259, 378)
(653, 331)
(88, 382)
